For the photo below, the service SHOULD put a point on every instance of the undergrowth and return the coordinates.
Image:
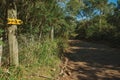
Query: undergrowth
(37, 58)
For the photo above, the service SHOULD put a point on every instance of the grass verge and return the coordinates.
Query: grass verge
(39, 60)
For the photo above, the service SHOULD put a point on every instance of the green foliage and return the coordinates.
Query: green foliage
(73, 7)
(35, 52)
(91, 31)
(36, 49)
(12, 73)
(35, 56)
(95, 30)
(103, 26)
(40, 16)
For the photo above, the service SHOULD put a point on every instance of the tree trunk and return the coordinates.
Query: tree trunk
(40, 35)
(52, 33)
(12, 40)
(100, 21)
(1, 49)
(40, 32)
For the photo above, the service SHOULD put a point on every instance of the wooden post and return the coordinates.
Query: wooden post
(12, 40)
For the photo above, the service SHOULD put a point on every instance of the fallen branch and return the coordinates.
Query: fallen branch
(42, 76)
(46, 77)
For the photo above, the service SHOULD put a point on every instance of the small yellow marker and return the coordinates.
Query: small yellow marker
(14, 21)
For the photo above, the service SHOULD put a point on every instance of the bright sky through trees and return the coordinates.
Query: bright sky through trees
(109, 1)
(115, 1)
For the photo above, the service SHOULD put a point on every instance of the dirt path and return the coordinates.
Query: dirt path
(89, 61)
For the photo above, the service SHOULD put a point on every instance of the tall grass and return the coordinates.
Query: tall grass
(39, 52)
(35, 56)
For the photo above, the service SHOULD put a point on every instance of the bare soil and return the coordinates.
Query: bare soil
(90, 61)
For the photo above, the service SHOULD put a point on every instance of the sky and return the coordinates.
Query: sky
(115, 1)
(109, 1)
(62, 5)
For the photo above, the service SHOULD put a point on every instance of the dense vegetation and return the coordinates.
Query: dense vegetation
(48, 24)
(101, 22)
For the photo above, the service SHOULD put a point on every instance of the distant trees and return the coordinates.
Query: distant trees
(42, 18)
(102, 22)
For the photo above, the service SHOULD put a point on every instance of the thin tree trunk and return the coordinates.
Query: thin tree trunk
(1, 50)
(100, 21)
(12, 40)
(40, 35)
(41, 27)
(52, 33)
(40, 32)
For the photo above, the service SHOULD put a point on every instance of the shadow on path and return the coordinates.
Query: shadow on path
(89, 61)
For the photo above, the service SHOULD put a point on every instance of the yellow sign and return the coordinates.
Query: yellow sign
(14, 21)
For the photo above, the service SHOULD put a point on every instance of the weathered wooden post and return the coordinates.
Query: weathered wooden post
(12, 40)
